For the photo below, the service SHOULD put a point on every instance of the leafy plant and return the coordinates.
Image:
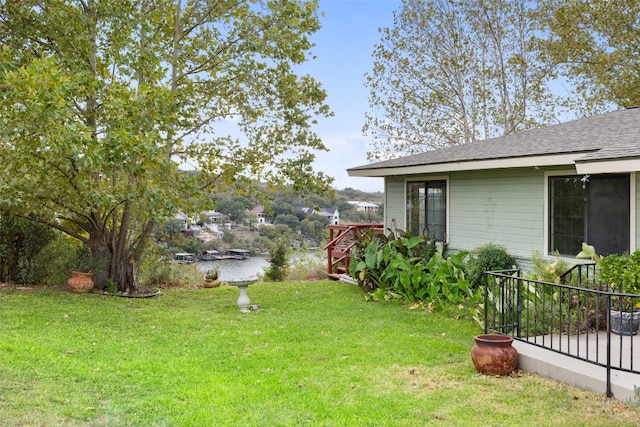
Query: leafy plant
(622, 274)
(411, 267)
(588, 252)
(21, 243)
(548, 271)
(278, 262)
(488, 257)
(212, 274)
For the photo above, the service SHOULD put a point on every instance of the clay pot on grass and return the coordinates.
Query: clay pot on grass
(80, 282)
(493, 354)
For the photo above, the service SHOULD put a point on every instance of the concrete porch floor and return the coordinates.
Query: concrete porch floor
(580, 373)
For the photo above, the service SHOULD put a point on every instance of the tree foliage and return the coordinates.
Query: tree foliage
(278, 261)
(452, 72)
(598, 44)
(235, 207)
(21, 243)
(103, 103)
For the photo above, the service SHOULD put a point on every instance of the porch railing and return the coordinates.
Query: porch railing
(342, 239)
(576, 318)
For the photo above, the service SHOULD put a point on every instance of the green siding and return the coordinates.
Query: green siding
(505, 207)
(637, 230)
(394, 204)
(499, 206)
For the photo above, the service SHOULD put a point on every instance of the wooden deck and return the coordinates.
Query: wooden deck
(342, 239)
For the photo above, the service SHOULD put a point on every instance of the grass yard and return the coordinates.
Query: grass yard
(316, 354)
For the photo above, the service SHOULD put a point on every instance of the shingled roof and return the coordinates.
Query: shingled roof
(613, 136)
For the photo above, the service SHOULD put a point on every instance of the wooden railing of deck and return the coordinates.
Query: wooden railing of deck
(342, 238)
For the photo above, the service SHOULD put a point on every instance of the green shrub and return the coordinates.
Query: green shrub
(278, 262)
(488, 257)
(411, 267)
(550, 272)
(621, 273)
(21, 242)
(169, 275)
(311, 265)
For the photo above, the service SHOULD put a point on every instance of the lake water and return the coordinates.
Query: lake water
(233, 269)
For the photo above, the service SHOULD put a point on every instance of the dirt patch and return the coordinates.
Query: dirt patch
(13, 286)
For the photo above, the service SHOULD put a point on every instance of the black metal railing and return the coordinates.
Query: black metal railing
(582, 276)
(577, 318)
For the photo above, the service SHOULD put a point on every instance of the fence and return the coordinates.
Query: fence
(576, 317)
(342, 238)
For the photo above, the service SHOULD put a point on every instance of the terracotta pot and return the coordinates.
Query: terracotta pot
(212, 283)
(80, 282)
(493, 354)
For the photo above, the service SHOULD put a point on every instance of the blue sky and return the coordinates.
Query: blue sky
(344, 46)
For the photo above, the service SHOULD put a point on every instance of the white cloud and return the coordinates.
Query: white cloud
(346, 151)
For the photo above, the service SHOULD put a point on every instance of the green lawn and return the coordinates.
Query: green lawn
(315, 354)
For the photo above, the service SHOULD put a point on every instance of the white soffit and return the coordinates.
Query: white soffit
(608, 166)
(516, 162)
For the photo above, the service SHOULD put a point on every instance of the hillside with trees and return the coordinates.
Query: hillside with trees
(285, 220)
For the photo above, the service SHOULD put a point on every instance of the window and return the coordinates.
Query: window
(592, 209)
(427, 208)
(566, 202)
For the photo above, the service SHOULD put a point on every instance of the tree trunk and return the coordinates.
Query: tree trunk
(119, 267)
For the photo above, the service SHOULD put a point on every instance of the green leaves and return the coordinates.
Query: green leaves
(596, 43)
(451, 72)
(105, 104)
(411, 268)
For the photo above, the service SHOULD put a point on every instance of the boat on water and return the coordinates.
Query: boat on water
(239, 253)
(185, 258)
(210, 255)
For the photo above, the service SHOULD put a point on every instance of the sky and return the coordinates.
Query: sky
(344, 46)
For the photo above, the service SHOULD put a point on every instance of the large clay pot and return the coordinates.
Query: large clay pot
(80, 282)
(212, 283)
(493, 354)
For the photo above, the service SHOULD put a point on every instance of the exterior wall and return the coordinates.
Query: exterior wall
(394, 202)
(502, 206)
(505, 207)
(637, 210)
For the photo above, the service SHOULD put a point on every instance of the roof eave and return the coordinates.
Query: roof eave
(608, 166)
(505, 163)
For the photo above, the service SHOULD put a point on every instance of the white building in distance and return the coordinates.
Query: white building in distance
(364, 206)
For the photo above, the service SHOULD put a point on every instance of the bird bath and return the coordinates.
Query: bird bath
(243, 299)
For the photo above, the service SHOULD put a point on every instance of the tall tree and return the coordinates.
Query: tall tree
(452, 72)
(103, 101)
(598, 44)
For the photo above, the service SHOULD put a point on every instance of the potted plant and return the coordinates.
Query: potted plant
(212, 278)
(622, 274)
(83, 268)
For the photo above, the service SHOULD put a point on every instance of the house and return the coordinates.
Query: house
(332, 215)
(183, 220)
(258, 213)
(364, 206)
(210, 217)
(545, 190)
